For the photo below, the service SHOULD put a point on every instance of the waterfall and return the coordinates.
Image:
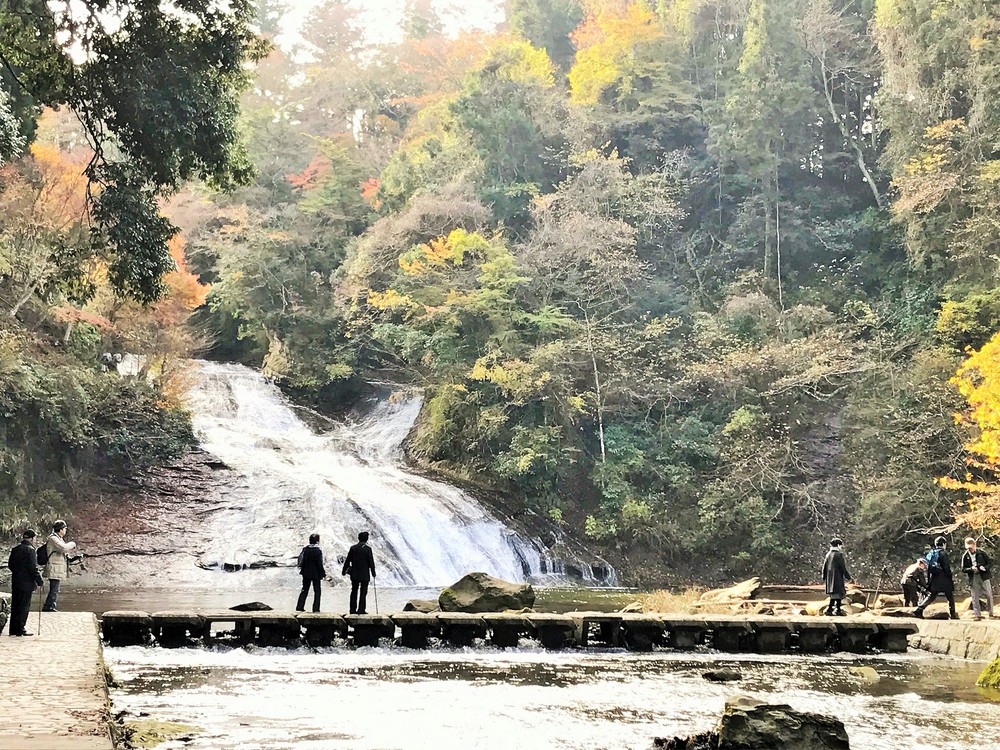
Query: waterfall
(349, 478)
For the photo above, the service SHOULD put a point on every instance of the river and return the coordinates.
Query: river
(482, 698)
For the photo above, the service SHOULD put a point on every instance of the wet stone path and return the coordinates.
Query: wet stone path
(52, 690)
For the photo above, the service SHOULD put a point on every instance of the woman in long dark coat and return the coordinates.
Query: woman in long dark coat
(836, 576)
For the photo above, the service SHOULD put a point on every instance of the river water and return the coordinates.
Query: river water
(482, 698)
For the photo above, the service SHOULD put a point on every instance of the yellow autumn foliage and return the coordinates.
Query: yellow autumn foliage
(518, 379)
(978, 380)
(607, 45)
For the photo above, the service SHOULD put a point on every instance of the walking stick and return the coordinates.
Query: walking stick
(375, 589)
(878, 587)
(38, 630)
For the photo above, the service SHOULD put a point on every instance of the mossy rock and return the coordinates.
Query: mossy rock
(990, 678)
(148, 733)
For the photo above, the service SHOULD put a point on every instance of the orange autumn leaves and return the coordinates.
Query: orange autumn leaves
(978, 380)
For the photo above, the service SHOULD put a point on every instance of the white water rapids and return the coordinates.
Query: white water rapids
(351, 479)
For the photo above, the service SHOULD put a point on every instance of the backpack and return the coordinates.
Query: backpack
(933, 559)
(42, 553)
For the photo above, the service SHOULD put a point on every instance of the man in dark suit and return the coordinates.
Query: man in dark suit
(23, 563)
(313, 573)
(360, 564)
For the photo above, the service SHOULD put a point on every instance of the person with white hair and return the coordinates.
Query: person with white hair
(57, 565)
(976, 565)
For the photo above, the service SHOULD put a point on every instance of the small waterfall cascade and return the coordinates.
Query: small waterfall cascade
(352, 478)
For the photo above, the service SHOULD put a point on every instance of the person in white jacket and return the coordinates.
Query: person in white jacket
(57, 567)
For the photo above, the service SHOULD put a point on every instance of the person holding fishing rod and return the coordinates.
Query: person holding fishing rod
(360, 565)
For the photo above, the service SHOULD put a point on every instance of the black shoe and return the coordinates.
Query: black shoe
(918, 613)
(23, 634)
(362, 612)
(50, 610)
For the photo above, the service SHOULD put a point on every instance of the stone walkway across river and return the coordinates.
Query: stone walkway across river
(52, 690)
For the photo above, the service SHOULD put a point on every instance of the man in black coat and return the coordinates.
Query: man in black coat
(940, 580)
(313, 572)
(360, 564)
(23, 563)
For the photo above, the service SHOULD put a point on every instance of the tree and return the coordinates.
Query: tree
(978, 381)
(44, 241)
(158, 93)
(548, 25)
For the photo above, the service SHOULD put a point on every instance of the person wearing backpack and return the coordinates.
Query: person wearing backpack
(23, 564)
(836, 576)
(976, 565)
(940, 580)
(313, 573)
(57, 565)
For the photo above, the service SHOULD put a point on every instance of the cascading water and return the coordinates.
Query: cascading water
(353, 478)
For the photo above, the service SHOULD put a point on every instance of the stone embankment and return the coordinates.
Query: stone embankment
(54, 693)
(962, 639)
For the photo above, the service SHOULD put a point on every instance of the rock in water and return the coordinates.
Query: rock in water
(421, 605)
(749, 724)
(990, 678)
(479, 592)
(867, 674)
(722, 675)
(252, 607)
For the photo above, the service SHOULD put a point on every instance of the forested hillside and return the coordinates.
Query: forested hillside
(690, 278)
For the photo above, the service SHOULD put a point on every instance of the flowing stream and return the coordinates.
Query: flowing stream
(529, 699)
(342, 481)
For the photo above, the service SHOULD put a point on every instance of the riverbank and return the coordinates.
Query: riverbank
(55, 696)
(961, 639)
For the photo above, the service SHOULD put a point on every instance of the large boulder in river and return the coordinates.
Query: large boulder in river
(749, 724)
(425, 606)
(252, 607)
(479, 592)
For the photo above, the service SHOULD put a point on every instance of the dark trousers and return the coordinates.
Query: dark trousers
(306, 582)
(53, 596)
(20, 605)
(910, 597)
(359, 597)
(930, 596)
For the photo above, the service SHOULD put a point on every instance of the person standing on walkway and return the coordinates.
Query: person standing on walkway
(939, 577)
(23, 563)
(313, 573)
(914, 582)
(976, 565)
(836, 576)
(360, 565)
(57, 567)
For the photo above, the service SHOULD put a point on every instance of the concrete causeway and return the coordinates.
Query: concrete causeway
(636, 632)
(70, 710)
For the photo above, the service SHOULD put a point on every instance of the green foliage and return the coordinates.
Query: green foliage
(158, 94)
(64, 420)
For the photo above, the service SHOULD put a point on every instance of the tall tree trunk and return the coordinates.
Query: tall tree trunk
(597, 387)
(859, 155)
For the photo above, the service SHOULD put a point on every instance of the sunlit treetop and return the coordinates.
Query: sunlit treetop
(156, 87)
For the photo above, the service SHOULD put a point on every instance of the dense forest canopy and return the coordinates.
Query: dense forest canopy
(703, 281)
